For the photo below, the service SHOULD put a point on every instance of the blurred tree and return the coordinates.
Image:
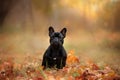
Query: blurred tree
(109, 18)
(9, 10)
(5, 6)
(116, 26)
(44, 6)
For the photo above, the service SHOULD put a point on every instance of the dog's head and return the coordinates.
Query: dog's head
(57, 38)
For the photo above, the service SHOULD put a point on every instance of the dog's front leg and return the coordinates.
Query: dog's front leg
(44, 62)
(46, 58)
(64, 61)
(61, 62)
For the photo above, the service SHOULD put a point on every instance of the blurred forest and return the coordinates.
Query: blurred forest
(93, 27)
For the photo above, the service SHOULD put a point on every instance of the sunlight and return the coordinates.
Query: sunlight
(87, 8)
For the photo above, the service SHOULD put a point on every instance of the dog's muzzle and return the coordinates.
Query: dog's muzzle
(56, 41)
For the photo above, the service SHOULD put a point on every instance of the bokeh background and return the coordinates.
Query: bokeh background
(93, 27)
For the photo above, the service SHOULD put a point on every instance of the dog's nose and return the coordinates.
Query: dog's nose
(56, 39)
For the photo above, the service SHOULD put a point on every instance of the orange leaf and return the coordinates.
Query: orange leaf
(72, 58)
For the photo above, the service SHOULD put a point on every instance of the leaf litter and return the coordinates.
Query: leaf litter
(76, 69)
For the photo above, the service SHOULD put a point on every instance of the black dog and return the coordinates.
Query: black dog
(55, 55)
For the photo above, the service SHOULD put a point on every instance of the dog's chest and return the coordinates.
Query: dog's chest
(55, 55)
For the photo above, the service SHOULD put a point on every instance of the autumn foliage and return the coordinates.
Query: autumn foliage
(31, 69)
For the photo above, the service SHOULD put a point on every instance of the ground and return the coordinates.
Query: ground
(77, 68)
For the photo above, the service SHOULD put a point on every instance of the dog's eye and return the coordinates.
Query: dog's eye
(52, 37)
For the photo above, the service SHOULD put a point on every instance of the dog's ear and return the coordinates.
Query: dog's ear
(51, 30)
(63, 31)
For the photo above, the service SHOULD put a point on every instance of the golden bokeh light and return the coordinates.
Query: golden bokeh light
(88, 8)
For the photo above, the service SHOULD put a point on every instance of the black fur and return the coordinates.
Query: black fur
(55, 55)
